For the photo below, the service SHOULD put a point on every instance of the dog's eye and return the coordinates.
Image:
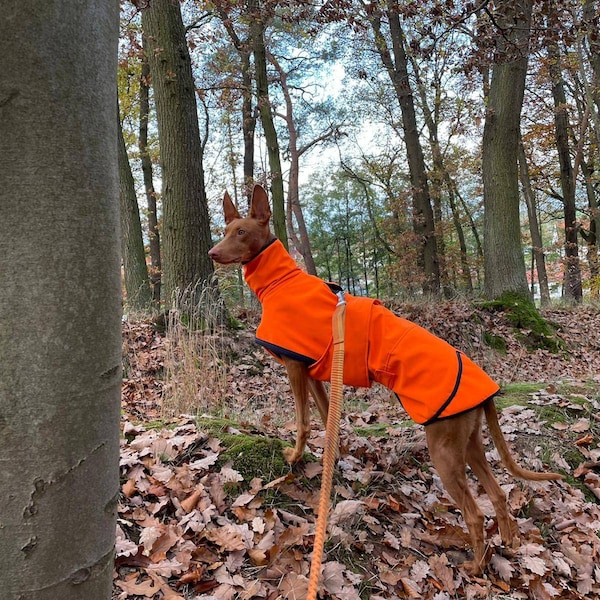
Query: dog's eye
(241, 232)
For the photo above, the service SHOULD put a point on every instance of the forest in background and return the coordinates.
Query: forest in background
(436, 148)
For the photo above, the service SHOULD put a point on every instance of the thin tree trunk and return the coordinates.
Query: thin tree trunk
(464, 258)
(301, 241)
(439, 176)
(137, 284)
(534, 227)
(257, 29)
(248, 116)
(504, 262)
(572, 289)
(423, 219)
(60, 323)
(153, 231)
(186, 236)
(591, 236)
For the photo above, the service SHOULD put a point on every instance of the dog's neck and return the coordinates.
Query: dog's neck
(272, 239)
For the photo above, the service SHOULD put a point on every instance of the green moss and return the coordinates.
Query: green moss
(496, 342)
(251, 454)
(531, 328)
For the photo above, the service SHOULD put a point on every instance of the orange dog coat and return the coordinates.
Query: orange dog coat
(432, 379)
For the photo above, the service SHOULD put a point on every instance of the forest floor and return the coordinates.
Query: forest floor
(209, 509)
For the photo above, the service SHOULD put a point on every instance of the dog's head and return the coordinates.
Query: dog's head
(244, 237)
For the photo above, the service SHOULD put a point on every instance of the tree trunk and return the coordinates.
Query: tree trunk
(504, 263)
(591, 236)
(60, 335)
(137, 284)
(537, 245)
(572, 289)
(423, 221)
(257, 31)
(294, 209)
(186, 236)
(153, 231)
(248, 117)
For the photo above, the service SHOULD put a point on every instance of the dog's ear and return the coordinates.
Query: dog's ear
(229, 210)
(259, 208)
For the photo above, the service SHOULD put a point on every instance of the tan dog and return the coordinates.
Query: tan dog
(454, 439)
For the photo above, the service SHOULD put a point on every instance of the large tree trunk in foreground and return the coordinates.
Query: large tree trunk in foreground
(186, 237)
(504, 262)
(60, 337)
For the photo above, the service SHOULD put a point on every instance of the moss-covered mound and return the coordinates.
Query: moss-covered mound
(533, 330)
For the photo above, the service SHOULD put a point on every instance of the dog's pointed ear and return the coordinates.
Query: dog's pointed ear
(259, 208)
(229, 210)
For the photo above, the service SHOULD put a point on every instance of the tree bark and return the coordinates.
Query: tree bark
(537, 245)
(423, 220)
(137, 284)
(186, 235)
(294, 208)
(257, 32)
(572, 289)
(60, 335)
(153, 231)
(504, 263)
(248, 117)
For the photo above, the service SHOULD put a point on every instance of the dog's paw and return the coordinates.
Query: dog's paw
(513, 545)
(291, 455)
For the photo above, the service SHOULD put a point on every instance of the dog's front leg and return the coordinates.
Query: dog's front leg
(298, 374)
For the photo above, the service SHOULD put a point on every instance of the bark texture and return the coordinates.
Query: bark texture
(572, 291)
(137, 284)
(60, 342)
(257, 32)
(504, 263)
(396, 64)
(186, 235)
(147, 170)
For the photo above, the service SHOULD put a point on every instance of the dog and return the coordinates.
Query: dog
(437, 385)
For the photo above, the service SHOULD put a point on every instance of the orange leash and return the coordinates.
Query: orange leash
(332, 432)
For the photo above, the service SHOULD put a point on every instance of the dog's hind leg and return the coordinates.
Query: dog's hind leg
(509, 531)
(447, 441)
(298, 374)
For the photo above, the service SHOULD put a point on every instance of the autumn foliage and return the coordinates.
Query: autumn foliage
(194, 522)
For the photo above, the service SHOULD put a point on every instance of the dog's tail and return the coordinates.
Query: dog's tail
(491, 416)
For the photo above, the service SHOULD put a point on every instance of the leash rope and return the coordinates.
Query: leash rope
(332, 432)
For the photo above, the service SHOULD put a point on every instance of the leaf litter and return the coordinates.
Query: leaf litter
(192, 527)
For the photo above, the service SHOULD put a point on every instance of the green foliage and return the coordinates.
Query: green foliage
(532, 328)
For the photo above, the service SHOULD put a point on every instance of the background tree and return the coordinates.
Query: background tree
(572, 271)
(186, 235)
(258, 26)
(60, 343)
(503, 252)
(396, 64)
(147, 171)
(137, 284)
(319, 66)
(537, 244)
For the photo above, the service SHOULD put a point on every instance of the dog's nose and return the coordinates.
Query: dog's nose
(213, 253)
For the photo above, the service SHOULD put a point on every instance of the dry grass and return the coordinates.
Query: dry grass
(195, 362)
